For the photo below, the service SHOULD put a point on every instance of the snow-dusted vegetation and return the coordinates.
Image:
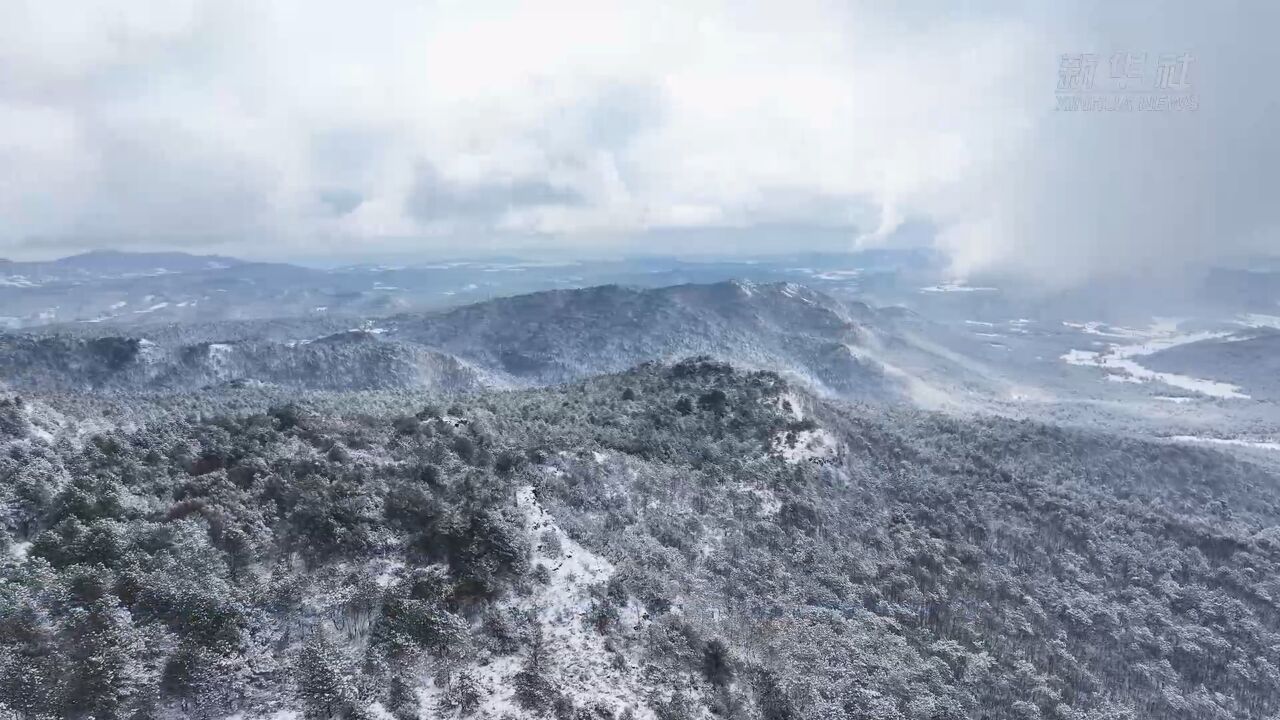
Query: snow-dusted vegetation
(630, 360)
(675, 542)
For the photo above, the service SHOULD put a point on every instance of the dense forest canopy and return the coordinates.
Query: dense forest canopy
(676, 541)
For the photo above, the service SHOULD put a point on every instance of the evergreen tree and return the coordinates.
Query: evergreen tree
(105, 677)
(325, 684)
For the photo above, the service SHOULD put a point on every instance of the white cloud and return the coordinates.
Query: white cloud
(291, 126)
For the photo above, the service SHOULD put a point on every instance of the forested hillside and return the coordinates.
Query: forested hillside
(845, 349)
(352, 360)
(677, 541)
(559, 336)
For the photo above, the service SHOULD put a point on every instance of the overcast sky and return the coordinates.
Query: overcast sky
(301, 128)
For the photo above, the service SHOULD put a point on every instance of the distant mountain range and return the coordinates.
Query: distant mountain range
(141, 288)
(845, 349)
(462, 325)
(128, 289)
(103, 264)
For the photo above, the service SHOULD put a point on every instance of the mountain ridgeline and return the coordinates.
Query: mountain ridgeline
(672, 542)
(345, 361)
(537, 339)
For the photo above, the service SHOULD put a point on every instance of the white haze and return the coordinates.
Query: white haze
(296, 128)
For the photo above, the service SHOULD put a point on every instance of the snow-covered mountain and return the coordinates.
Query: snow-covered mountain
(552, 337)
(128, 290)
(349, 361)
(108, 264)
(846, 349)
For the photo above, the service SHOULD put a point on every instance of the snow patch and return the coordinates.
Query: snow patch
(40, 423)
(148, 351)
(817, 445)
(585, 669)
(277, 715)
(19, 550)
(1118, 360)
(1257, 320)
(955, 286)
(390, 570)
(838, 274)
(1259, 444)
(789, 403)
(770, 504)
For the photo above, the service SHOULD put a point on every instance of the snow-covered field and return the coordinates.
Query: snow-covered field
(1257, 320)
(1119, 360)
(955, 286)
(1237, 442)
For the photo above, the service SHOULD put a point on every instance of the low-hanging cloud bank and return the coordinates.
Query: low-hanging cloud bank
(297, 127)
